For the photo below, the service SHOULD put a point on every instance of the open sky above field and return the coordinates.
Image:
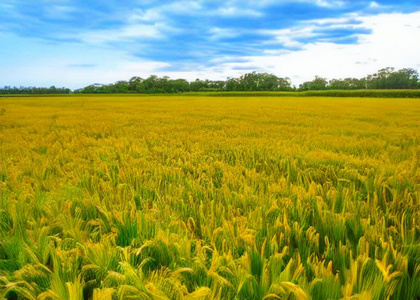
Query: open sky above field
(75, 43)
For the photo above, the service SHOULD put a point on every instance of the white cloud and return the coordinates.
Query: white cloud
(59, 11)
(344, 21)
(218, 33)
(235, 11)
(322, 3)
(159, 14)
(393, 42)
(125, 33)
(289, 37)
(330, 3)
(66, 65)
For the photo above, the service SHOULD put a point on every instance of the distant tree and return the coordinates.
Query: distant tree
(121, 87)
(197, 85)
(345, 84)
(379, 80)
(249, 82)
(34, 90)
(403, 79)
(386, 78)
(318, 83)
(179, 85)
(151, 84)
(284, 84)
(267, 82)
(232, 84)
(135, 84)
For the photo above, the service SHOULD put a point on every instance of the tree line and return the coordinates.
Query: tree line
(387, 78)
(33, 90)
(154, 84)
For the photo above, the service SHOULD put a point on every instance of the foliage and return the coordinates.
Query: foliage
(152, 85)
(8, 90)
(386, 78)
(317, 84)
(117, 197)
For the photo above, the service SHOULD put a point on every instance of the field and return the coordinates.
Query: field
(105, 197)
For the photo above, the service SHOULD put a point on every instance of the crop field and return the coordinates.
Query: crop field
(171, 197)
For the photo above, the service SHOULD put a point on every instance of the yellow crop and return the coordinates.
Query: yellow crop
(154, 197)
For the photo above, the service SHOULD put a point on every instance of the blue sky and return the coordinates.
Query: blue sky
(74, 43)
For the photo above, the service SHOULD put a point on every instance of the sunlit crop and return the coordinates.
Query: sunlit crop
(116, 197)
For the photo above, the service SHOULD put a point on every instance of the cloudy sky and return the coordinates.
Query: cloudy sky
(75, 43)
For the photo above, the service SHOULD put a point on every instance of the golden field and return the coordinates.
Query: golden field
(171, 197)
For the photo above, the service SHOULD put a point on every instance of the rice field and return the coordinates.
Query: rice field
(157, 197)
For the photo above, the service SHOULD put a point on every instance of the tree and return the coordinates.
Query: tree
(197, 85)
(232, 84)
(179, 85)
(121, 86)
(135, 84)
(403, 79)
(284, 84)
(318, 83)
(386, 78)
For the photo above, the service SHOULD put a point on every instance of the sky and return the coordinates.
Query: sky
(75, 43)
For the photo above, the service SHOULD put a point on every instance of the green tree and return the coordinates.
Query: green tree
(318, 83)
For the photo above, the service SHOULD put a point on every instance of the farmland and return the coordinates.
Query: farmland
(158, 197)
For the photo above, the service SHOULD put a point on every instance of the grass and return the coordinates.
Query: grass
(114, 197)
